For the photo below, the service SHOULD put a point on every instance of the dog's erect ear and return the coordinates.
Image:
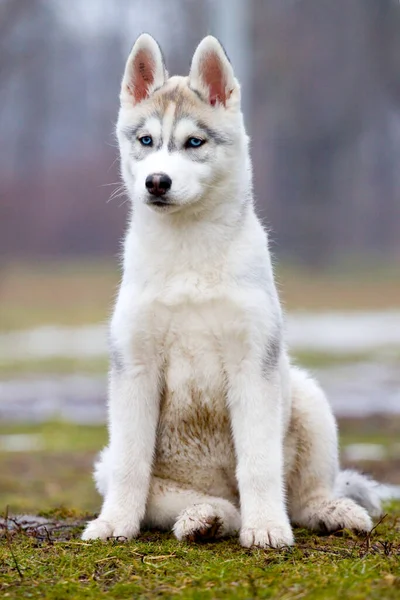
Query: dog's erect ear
(211, 73)
(144, 71)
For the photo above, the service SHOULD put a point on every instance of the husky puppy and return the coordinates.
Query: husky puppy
(212, 431)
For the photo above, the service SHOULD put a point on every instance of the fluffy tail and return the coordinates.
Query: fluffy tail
(360, 488)
(102, 470)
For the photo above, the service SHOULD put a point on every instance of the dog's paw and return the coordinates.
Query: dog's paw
(101, 529)
(269, 535)
(198, 523)
(334, 515)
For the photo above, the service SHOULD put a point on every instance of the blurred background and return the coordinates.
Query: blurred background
(321, 95)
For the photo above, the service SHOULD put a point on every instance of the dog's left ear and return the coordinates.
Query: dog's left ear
(211, 73)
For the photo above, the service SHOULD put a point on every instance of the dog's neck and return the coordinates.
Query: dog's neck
(189, 237)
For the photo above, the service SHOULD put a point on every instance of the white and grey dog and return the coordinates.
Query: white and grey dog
(211, 429)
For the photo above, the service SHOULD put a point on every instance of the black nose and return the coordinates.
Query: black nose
(158, 183)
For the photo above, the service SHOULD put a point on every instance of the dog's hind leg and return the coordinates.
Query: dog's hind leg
(193, 516)
(313, 468)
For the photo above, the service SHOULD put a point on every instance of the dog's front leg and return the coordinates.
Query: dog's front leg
(133, 415)
(255, 407)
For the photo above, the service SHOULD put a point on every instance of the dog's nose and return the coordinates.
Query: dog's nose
(158, 183)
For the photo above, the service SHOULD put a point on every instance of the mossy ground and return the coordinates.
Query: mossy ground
(53, 563)
(58, 565)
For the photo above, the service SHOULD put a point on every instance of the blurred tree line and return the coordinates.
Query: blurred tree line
(324, 117)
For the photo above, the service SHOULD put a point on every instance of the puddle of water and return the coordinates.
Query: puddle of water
(362, 389)
(344, 332)
(356, 452)
(389, 492)
(79, 399)
(353, 390)
(21, 442)
(340, 332)
(54, 342)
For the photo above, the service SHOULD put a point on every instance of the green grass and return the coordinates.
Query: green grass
(376, 429)
(58, 472)
(54, 365)
(57, 565)
(61, 436)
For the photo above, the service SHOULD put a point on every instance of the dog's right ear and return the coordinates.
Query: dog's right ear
(144, 71)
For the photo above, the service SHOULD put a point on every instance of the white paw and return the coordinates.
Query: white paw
(269, 535)
(342, 513)
(198, 522)
(101, 529)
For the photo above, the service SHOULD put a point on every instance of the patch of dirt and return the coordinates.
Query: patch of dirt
(41, 528)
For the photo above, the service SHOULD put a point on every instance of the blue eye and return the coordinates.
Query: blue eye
(194, 142)
(146, 140)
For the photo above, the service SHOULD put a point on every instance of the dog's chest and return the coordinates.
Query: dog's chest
(195, 318)
(193, 349)
(194, 423)
(192, 314)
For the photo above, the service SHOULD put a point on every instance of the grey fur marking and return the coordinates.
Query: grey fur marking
(213, 134)
(131, 132)
(200, 96)
(137, 154)
(272, 352)
(256, 276)
(259, 277)
(200, 159)
(171, 145)
(116, 359)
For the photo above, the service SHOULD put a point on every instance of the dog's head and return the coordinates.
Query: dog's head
(182, 139)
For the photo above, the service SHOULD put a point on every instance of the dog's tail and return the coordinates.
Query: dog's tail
(102, 470)
(360, 488)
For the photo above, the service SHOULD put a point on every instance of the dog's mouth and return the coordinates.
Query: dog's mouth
(159, 203)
